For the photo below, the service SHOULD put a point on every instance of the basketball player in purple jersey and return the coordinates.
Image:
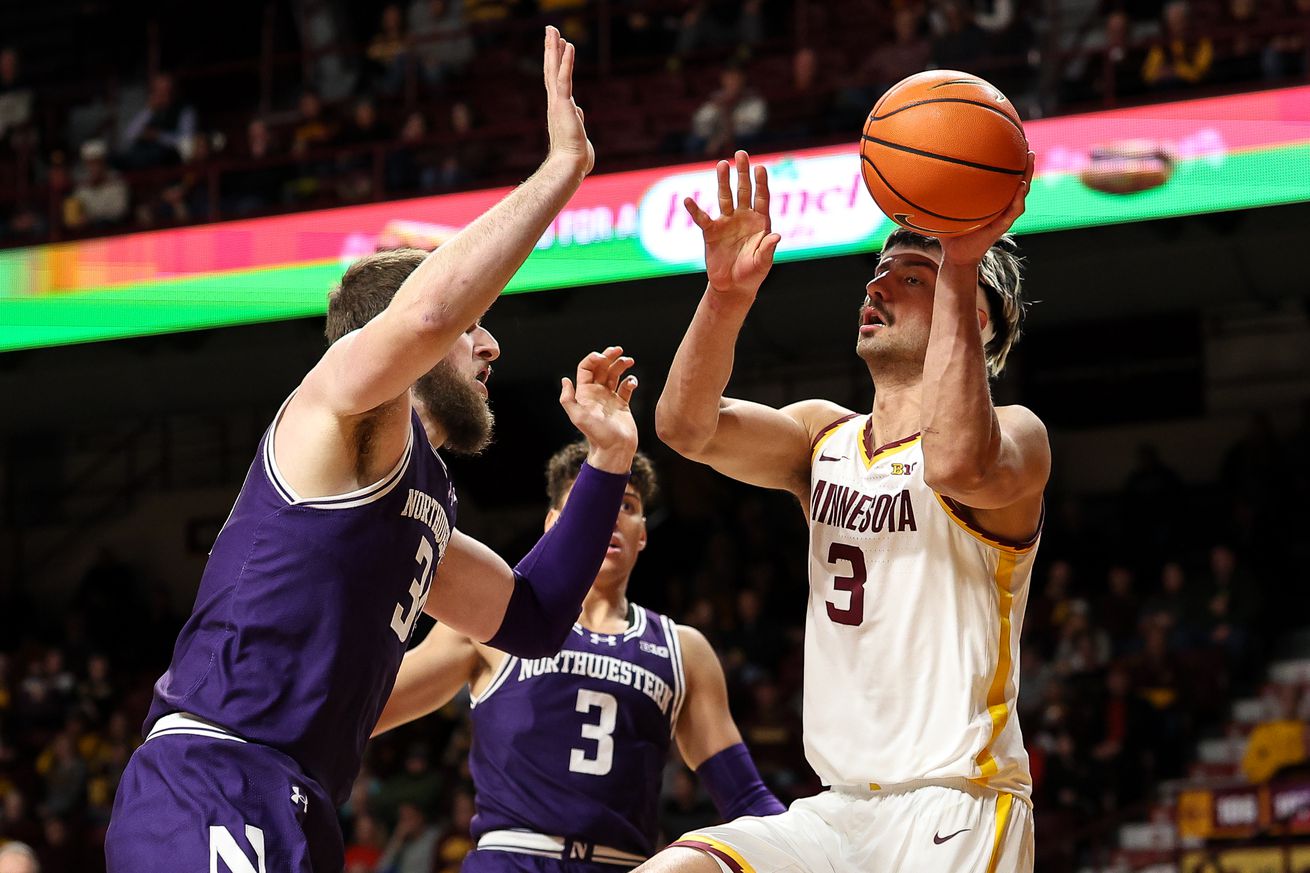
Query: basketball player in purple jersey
(313, 586)
(568, 751)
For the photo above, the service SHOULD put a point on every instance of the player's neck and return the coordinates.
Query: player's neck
(606, 609)
(435, 432)
(897, 409)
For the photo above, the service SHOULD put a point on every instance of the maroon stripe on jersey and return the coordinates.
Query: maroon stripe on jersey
(960, 513)
(823, 431)
(868, 440)
(708, 849)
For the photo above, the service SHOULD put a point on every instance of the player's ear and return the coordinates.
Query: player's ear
(551, 516)
(641, 541)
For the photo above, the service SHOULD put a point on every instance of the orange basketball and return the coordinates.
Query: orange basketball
(943, 152)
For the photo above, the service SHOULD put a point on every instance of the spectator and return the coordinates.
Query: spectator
(884, 66)
(1286, 55)
(1241, 62)
(15, 97)
(412, 165)
(466, 157)
(186, 198)
(457, 838)
(417, 783)
(18, 857)
(388, 51)
(685, 808)
(1281, 742)
(60, 853)
(720, 25)
(355, 169)
(1118, 609)
(1180, 608)
(732, 117)
(443, 44)
(160, 132)
(960, 43)
(259, 181)
(16, 822)
(65, 776)
(101, 195)
(366, 843)
(412, 845)
(1150, 498)
(313, 128)
(1180, 57)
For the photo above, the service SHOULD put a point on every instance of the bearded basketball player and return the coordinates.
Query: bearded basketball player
(345, 531)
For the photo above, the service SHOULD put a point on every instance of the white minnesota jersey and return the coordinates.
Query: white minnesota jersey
(912, 631)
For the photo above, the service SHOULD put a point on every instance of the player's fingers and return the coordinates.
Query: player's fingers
(550, 65)
(725, 188)
(762, 195)
(617, 371)
(565, 77)
(769, 246)
(626, 387)
(565, 392)
(697, 214)
(743, 180)
(592, 368)
(1028, 170)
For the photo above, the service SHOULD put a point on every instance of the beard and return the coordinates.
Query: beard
(456, 404)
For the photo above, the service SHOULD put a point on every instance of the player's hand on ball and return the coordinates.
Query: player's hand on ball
(564, 120)
(739, 244)
(969, 248)
(598, 406)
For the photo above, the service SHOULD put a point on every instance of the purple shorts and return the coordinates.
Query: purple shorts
(196, 798)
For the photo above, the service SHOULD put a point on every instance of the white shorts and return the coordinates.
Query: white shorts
(934, 826)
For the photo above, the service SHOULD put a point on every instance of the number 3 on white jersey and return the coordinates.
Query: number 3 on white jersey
(600, 732)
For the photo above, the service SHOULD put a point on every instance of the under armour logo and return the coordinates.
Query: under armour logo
(300, 800)
(597, 639)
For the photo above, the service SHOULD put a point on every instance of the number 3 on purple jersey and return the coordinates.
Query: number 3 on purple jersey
(853, 613)
(403, 624)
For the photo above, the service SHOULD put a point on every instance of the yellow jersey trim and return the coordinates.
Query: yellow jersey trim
(885, 451)
(715, 848)
(997, 706)
(1004, 803)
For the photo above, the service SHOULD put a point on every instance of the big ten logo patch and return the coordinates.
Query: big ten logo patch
(904, 469)
(657, 651)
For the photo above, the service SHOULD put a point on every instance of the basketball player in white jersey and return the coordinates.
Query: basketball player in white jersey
(924, 517)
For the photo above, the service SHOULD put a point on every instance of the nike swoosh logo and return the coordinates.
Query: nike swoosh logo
(827, 458)
(938, 840)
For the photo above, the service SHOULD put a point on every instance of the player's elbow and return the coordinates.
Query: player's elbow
(955, 476)
(678, 431)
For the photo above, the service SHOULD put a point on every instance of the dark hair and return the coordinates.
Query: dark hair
(367, 288)
(1001, 277)
(563, 468)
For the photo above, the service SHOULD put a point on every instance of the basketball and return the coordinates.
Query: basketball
(943, 152)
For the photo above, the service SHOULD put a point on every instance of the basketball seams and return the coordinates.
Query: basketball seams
(990, 108)
(905, 199)
(925, 154)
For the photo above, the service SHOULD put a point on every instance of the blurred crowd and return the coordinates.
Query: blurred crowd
(427, 96)
(1152, 609)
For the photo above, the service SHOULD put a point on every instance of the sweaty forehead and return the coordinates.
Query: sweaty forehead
(908, 256)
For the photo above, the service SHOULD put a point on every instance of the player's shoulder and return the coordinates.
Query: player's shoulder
(1019, 420)
(818, 416)
(696, 648)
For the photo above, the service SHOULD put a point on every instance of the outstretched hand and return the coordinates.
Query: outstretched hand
(564, 120)
(740, 243)
(969, 248)
(598, 406)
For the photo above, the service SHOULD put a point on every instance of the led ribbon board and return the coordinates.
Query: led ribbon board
(1200, 156)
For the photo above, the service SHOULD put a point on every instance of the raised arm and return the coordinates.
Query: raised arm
(528, 610)
(431, 675)
(363, 372)
(993, 461)
(456, 284)
(747, 441)
(708, 737)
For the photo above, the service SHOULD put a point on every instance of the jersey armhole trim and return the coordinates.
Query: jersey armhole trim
(1015, 547)
(679, 673)
(350, 500)
(826, 431)
(497, 680)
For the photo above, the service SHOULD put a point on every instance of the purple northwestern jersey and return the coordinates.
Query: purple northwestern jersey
(306, 607)
(575, 745)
